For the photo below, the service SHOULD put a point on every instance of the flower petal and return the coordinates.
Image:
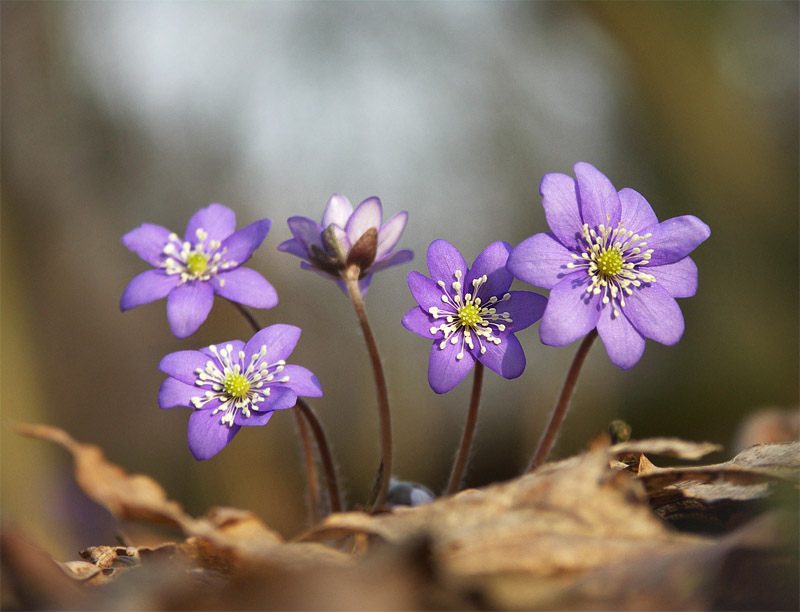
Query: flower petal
(679, 278)
(302, 381)
(417, 320)
(188, 306)
(294, 247)
(280, 397)
(207, 435)
(337, 211)
(524, 308)
(181, 365)
(216, 220)
(235, 347)
(443, 260)
(245, 286)
(561, 209)
(636, 211)
(675, 238)
(363, 285)
(655, 314)
(368, 214)
(147, 287)
(425, 291)
(492, 263)
(623, 343)
(280, 341)
(540, 260)
(392, 259)
(570, 313)
(390, 233)
(240, 245)
(306, 231)
(506, 359)
(148, 242)
(444, 370)
(176, 393)
(597, 197)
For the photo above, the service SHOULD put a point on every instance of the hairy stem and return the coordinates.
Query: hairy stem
(309, 461)
(457, 475)
(350, 278)
(549, 435)
(324, 453)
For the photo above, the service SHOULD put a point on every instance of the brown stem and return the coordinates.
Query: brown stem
(350, 278)
(549, 435)
(310, 463)
(457, 475)
(248, 317)
(324, 452)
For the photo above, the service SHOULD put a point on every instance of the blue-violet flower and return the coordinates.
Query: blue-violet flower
(234, 384)
(609, 264)
(348, 237)
(189, 272)
(470, 314)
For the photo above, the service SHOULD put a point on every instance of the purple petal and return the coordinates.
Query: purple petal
(655, 314)
(181, 365)
(207, 435)
(236, 346)
(599, 202)
(443, 260)
(561, 209)
(302, 381)
(148, 242)
(312, 268)
(245, 286)
(506, 359)
(390, 233)
(679, 278)
(240, 246)
(636, 211)
(540, 260)
(571, 312)
(279, 398)
(176, 393)
(444, 370)
(340, 237)
(425, 291)
(491, 262)
(675, 238)
(368, 214)
(623, 343)
(392, 259)
(147, 287)
(294, 247)
(280, 341)
(417, 321)
(217, 220)
(188, 306)
(337, 211)
(363, 285)
(524, 308)
(306, 231)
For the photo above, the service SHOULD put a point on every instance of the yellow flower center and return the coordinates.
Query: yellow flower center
(197, 263)
(235, 385)
(609, 263)
(469, 315)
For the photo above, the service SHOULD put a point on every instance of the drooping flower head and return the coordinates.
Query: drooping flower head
(470, 314)
(189, 272)
(348, 237)
(233, 384)
(609, 264)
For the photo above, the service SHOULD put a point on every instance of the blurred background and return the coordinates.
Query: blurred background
(115, 114)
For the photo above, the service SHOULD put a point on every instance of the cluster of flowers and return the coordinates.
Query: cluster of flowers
(608, 262)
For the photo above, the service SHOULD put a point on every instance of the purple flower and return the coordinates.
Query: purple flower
(470, 314)
(233, 384)
(346, 237)
(609, 264)
(190, 271)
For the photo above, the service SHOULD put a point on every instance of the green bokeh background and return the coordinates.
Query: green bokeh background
(114, 114)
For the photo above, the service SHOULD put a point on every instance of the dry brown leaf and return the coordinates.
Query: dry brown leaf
(672, 447)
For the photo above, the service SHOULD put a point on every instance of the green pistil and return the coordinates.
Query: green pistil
(235, 385)
(469, 315)
(197, 263)
(609, 263)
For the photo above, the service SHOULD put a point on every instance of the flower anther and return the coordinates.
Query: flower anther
(200, 261)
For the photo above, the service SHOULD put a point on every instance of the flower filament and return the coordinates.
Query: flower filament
(612, 258)
(469, 318)
(199, 261)
(234, 386)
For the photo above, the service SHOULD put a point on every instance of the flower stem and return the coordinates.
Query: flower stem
(324, 452)
(549, 436)
(309, 460)
(457, 475)
(350, 278)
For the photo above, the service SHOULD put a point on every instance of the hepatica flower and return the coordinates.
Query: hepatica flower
(470, 314)
(348, 237)
(233, 384)
(609, 264)
(189, 272)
